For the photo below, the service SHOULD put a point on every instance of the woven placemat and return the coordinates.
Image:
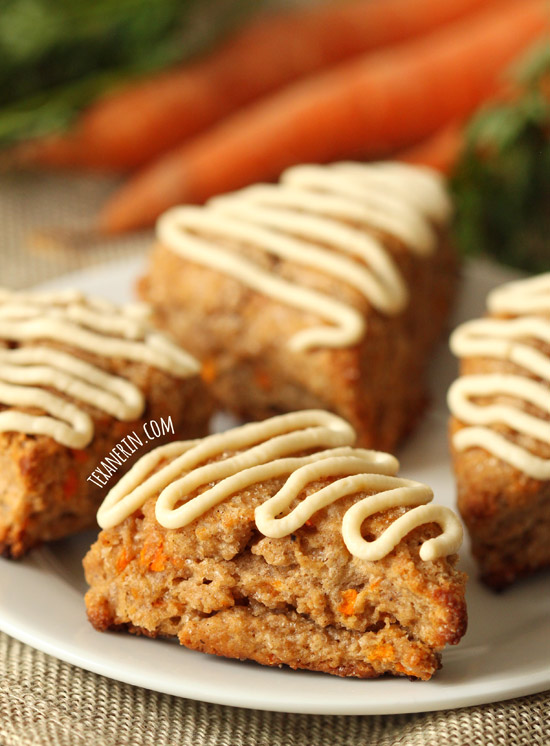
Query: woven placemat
(46, 221)
(46, 702)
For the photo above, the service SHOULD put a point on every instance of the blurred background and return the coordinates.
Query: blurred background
(112, 111)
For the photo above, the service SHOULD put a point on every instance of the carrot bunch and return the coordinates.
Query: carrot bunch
(362, 79)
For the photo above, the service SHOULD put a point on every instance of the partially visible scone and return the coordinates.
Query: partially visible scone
(85, 387)
(327, 290)
(500, 431)
(356, 577)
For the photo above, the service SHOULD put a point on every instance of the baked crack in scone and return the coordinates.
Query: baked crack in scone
(282, 543)
(327, 290)
(500, 430)
(85, 385)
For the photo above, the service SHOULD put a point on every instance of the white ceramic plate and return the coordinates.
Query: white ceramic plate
(505, 653)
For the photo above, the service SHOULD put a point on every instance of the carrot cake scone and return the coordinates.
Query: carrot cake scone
(500, 430)
(84, 385)
(282, 543)
(326, 290)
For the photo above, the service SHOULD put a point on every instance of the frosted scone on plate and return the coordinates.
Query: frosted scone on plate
(326, 290)
(500, 430)
(282, 543)
(84, 385)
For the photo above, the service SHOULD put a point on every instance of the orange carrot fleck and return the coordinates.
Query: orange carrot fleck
(122, 560)
(347, 606)
(384, 651)
(209, 371)
(70, 485)
(263, 379)
(158, 563)
(79, 456)
(152, 556)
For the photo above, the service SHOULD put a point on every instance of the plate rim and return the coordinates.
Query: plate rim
(524, 685)
(452, 696)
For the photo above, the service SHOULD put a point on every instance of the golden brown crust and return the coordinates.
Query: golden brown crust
(44, 492)
(242, 338)
(506, 512)
(303, 600)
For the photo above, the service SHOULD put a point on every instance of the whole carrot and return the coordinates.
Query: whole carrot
(128, 128)
(373, 105)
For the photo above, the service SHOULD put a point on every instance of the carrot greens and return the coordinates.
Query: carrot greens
(502, 181)
(58, 55)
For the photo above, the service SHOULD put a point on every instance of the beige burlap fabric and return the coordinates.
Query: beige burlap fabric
(45, 223)
(45, 702)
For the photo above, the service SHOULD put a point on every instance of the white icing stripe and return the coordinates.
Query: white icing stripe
(388, 295)
(386, 290)
(349, 324)
(518, 387)
(42, 366)
(310, 210)
(522, 297)
(508, 339)
(57, 329)
(382, 209)
(265, 451)
(316, 204)
(422, 187)
(88, 324)
(504, 449)
(502, 339)
(397, 493)
(68, 424)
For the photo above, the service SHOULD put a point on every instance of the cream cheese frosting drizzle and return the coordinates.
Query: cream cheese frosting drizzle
(89, 324)
(322, 217)
(525, 307)
(268, 450)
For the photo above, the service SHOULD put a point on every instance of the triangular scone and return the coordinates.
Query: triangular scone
(500, 430)
(86, 386)
(193, 546)
(327, 290)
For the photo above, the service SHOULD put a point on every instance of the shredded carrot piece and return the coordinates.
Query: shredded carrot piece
(79, 456)
(70, 485)
(263, 379)
(209, 371)
(347, 606)
(122, 560)
(157, 564)
(152, 557)
(383, 651)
